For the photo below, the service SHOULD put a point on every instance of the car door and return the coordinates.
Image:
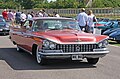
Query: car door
(27, 37)
(16, 34)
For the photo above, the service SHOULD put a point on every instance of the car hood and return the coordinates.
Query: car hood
(70, 36)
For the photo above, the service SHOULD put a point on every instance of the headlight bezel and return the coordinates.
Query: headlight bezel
(1, 29)
(49, 44)
(103, 43)
(46, 43)
(52, 45)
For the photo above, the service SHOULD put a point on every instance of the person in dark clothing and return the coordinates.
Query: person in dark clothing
(32, 14)
(17, 17)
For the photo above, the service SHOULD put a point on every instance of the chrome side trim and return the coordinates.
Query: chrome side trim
(25, 50)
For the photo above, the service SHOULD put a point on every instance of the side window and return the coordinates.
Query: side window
(37, 26)
(28, 24)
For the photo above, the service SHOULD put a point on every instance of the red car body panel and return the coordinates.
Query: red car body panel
(58, 36)
(98, 25)
(81, 43)
(66, 36)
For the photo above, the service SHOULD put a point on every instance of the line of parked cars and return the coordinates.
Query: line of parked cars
(4, 26)
(110, 28)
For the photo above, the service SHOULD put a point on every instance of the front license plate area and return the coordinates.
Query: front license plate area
(77, 57)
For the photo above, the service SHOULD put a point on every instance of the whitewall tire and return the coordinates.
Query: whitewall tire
(39, 58)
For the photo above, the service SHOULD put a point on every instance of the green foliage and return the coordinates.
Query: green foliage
(106, 3)
(9, 4)
(58, 4)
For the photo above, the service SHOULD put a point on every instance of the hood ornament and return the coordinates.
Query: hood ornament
(78, 40)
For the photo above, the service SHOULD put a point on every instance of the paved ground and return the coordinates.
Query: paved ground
(15, 65)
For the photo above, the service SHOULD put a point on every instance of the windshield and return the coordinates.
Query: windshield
(56, 25)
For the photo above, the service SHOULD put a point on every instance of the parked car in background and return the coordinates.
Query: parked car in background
(115, 36)
(58, 38)
(4, 27)
(1, 16)
(103, 20)
(97, 25)
(109, 31)
(109, 25)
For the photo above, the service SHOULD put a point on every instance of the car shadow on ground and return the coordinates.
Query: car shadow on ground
(25, 61)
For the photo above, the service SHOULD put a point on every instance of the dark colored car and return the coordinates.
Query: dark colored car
(109, 31)
(115, 36)
(109, 25)
(4, 27)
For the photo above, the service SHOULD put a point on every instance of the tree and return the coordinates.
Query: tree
(58, 4)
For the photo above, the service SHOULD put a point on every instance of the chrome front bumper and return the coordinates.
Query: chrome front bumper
(60, 54)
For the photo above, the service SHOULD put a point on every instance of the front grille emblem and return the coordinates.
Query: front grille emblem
(77, 48)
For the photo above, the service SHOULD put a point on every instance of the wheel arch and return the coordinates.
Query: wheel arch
(34, 47)
(14, 43)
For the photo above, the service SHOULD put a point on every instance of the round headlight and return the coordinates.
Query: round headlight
(52, 45)
(1, 29)
(46, 43)
(105, 42)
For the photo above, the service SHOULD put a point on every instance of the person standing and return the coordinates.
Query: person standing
(90, 22)
(40, 13)
(23, 18)
(17, 17)
(56, 14)
(11, 17)
(29, 16)
(44, 13)
(82, 19)
(32, 13)
(5, 14)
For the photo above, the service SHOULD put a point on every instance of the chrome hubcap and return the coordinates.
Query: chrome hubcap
(38, 57)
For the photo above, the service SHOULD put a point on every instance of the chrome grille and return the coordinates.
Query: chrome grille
(76, 47)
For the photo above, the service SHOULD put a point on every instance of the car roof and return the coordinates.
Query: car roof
(53, 18)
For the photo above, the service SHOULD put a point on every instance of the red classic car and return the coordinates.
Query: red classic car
(58, 38)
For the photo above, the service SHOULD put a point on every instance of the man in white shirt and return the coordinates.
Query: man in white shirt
(40, 13)
(23, 18)
(56, 14)
(29, 16)
(82, 19)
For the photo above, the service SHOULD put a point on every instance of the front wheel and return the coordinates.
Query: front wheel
(92, 60)
(39, 58)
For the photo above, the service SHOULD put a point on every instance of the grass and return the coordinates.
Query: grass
(114, 43)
